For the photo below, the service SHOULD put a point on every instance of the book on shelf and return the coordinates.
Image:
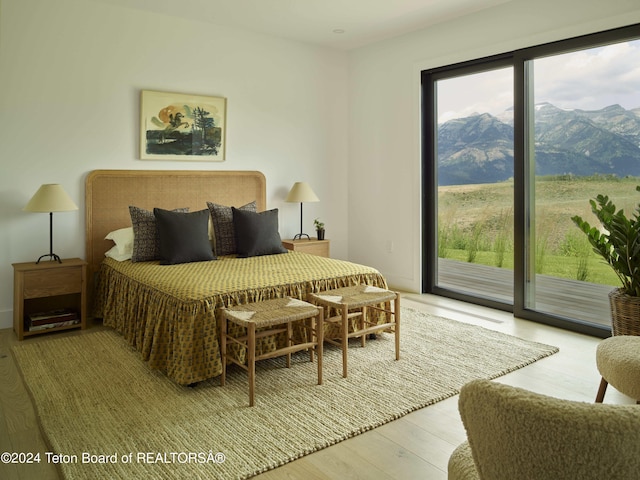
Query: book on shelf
(46, 326)
(41, 319)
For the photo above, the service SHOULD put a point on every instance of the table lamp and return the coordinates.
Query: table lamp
(301, 192)
(50, 198)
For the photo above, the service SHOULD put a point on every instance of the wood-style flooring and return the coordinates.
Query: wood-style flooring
(557, 296)
(415, 446)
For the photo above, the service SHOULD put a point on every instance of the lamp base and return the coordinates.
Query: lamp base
(300, 235)
(52, 258)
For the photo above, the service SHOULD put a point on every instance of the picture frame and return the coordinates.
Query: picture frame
(177, 126)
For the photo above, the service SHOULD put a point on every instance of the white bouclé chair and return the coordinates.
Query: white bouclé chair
(513, 433)
(618, 361)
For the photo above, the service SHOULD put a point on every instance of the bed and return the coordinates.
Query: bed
(169, 313)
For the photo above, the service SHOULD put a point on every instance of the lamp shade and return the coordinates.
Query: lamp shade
(301, 192)
(50, 198)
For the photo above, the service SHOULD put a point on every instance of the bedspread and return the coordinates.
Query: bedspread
(169, 312)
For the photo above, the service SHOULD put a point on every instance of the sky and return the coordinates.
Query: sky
(589, 80)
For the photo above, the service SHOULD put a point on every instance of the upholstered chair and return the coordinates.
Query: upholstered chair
(513, 433)
(618, 361)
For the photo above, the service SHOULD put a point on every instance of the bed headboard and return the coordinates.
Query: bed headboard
(109, 193)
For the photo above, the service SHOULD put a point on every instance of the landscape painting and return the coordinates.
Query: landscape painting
(176, 126)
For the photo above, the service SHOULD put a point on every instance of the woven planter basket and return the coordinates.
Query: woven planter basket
(625, 313)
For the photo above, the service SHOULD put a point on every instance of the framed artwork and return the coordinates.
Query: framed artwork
(175, 126)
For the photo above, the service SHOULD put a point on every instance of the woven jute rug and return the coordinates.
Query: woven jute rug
(109, 416)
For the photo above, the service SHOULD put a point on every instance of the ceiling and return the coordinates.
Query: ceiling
(342, 24)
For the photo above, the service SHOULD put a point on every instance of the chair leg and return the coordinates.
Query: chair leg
(396, 313)
(311, 332)
(345, 338)
(319, 332)
(289, 343)
(223, 349)
(601, 390)
(251, 361)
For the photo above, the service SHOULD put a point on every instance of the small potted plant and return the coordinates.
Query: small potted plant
(619, 246)
(319, 228)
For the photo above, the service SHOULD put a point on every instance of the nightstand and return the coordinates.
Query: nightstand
(49, 296)
(312, 246)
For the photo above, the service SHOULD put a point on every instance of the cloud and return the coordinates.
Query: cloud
(587, 79)
(479, 93)
(591, 79)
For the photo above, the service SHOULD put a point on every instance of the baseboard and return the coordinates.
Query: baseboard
(6, 318)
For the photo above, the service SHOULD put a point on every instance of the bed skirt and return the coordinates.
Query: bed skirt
(169, 313)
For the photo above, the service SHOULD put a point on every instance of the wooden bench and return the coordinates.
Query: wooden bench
(355, 303)
(266, 318)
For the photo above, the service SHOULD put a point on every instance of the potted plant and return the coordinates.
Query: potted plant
(619, 246)
(319, 228)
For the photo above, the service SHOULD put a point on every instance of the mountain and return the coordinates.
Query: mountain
(617, 120)
(476, 149)
(479, 148)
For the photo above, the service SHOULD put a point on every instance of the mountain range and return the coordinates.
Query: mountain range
(479, 148)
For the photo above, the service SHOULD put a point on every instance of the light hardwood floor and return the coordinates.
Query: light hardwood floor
(415, 446)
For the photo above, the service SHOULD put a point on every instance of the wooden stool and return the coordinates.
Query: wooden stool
(360, 298)
(279, 313)
(618, 361)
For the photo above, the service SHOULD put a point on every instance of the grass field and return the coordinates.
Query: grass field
(476, 224)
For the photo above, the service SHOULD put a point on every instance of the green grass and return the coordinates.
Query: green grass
(475, 224)
(555, 265)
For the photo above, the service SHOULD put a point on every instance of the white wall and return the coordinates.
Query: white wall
(384, 114)
(71, 72)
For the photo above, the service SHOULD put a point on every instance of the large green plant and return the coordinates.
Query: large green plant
(619, 245)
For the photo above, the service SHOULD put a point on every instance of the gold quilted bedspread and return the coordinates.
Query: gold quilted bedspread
(169, 312)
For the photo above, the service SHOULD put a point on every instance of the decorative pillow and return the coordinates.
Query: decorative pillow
(183, 237)
(145, 236)
(223, 230)
(257, 233)
(116, 255)
(123, 238)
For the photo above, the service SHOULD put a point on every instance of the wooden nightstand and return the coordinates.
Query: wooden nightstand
(312, 246)
(49, 287)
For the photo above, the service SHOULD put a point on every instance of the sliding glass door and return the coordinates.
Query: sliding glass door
(586, 132)
(513, 147)
(474, 178)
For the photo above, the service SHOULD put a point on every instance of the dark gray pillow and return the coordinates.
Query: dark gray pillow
(257, 233)
(183, 237)
(145, 235)
(223, 231)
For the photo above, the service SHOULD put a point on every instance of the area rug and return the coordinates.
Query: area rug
(110, 416)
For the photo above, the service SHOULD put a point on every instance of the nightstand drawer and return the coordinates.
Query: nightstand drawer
(53, 282)
(311, 245)
(47, 286)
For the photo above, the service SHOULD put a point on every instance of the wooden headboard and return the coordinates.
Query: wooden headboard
(109, 193)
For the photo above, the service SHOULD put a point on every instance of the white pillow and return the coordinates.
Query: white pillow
(123, 238)
(116, 255)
